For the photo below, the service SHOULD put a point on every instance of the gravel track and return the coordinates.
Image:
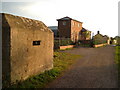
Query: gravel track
(96, 69)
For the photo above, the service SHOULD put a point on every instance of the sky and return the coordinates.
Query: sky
(96, 15)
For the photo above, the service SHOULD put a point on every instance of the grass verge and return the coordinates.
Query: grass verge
(61, 62)
(118, 62)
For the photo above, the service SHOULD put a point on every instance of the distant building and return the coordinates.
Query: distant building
(84, 34)
(107, 39)
(114, 42)
(99, 38)
(55, 30)
(70, 28)
(98, 35)
(118, 39)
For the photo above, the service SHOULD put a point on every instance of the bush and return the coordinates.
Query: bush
(85, 43)
(65, 42)
(96, 42)
(56, 44)
(62, 42)
(117, 59)
(99, 39)
(118, 41)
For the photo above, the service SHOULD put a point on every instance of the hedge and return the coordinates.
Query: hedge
(62, 42)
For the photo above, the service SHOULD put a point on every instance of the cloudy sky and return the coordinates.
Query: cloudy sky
(96, 15)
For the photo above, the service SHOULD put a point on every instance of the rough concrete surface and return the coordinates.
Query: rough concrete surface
(21, 58)
(96, 69)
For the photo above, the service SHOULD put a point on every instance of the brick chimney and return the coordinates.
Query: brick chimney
(98, 32)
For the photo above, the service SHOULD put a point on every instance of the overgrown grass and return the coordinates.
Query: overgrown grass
(118, 62)
(61, 62)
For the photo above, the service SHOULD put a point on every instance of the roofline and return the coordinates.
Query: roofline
(22, 17)
(52, 26)
(62, 20)
(77, 21)
(69, 18)
(86, 29)
(44, 26)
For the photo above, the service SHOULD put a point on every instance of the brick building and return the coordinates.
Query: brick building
(84, 34)
(69, 28)
(55, 30)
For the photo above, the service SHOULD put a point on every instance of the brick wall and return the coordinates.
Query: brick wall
(69, 29)
(76, 27)
(64, 27)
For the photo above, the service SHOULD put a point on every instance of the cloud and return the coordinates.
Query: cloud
(95, 14)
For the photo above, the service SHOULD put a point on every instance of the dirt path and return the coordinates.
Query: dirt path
(96, 69)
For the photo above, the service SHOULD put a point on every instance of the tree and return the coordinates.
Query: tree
(86, 34)
(118, 39)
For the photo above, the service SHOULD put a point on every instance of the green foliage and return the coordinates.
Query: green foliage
(65, 42)
(117, 59)
(99, 39)
(85, 43)
(118, 40)
(62, 42)
(61, 62)
(56, 44)
(96, 42)
(5, 81)
(87, 34)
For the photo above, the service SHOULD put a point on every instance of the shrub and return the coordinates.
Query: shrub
(99, 41)
(62, 42)
(85, 43)
(65, 42)
(117, 59)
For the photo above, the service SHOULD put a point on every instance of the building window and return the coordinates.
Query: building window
(36, 43)
(64, 23)
(78, 25)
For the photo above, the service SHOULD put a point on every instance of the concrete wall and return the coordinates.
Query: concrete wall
(5, 50)
(24, 58)
(27, 59)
